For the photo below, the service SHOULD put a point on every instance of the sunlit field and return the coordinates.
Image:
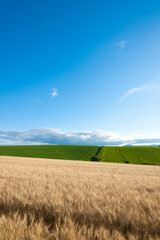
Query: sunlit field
(70, 152)
(44, 199)
(137, 155)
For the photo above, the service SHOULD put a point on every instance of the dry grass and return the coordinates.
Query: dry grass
(43, 199)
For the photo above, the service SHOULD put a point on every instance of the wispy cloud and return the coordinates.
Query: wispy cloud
(54, 92)
(121, 44)
(144, 87)
(36, 100)
(152, 35)
(56, 136)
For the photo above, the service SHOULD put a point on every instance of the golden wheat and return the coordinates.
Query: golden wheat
(42, 199)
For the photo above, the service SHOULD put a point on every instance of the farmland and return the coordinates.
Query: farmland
(70, 152)
(42, 199)
(137, 155)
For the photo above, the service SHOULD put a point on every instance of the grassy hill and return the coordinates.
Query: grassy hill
(138, 155)
(70, 152)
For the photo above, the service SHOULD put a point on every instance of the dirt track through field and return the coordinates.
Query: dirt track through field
(61, 199)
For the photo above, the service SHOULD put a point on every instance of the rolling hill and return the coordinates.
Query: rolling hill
(136, 155)
(70, 152)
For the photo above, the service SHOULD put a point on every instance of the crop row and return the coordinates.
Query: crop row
(138, 155)
(70, 152)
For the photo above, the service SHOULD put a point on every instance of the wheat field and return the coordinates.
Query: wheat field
(44, 199)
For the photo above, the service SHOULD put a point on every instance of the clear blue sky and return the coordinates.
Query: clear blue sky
(80, 66)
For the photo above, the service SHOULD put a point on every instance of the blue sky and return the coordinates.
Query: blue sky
(84, 72)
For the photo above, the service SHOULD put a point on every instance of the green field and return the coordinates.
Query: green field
(137, 155)
(70, 152)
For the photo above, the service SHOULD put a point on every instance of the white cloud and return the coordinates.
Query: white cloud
(121, 44)
(142, 88)
(56, 136)
(54, 92)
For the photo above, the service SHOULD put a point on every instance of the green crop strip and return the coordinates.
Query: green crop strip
(70, 152)
(137, 155)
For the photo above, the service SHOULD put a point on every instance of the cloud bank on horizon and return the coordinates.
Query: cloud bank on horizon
(56, 136)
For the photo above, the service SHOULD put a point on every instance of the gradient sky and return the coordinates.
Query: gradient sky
(80, 66)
